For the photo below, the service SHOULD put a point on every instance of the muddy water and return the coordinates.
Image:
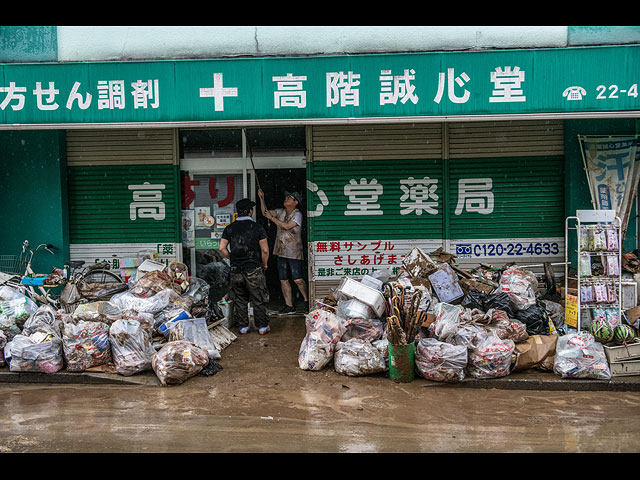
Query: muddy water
(262, 402)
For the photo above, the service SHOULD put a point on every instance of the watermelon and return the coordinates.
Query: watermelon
(602, 330)
(623, 334)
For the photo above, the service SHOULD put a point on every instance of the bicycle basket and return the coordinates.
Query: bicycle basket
(13, 264)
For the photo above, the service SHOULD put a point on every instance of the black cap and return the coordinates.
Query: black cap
(244, 205)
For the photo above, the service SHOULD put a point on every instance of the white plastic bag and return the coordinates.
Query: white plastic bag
(441, 361)
(178, 361)
(85, 345)
(447, 320)
(578, 355)
(39, 352)
(520, 285)
(491, 359)
(324, 331)
(131, 346)
(357, 358)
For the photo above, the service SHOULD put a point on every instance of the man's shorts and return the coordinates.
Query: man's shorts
(289, 268)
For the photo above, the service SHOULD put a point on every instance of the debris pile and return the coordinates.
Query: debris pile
(163, 322)
(446, 323)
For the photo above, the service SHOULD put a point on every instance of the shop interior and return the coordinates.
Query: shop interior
(219, 167)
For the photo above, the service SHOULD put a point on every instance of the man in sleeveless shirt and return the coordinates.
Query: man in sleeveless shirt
(288, 247)
(244, 243)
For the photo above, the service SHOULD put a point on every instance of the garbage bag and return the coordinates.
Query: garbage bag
(131, 346)
(363, 329)
(491, 359)
(39, 352)
(14, 312)
(485, 302)
(100, 311)
(194, 330)
(469, 335)
(153, 304)
(324, 331)
(178, 361)
(447, 320)
(441, 361)
(151, 283)
(507, 328)
(85, 344)
(212, 368)
(43, 319)
(520, 285)
(536, 319)
(357, 358)
(579, 355)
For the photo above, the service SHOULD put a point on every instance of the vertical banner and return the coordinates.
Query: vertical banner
(612, 172)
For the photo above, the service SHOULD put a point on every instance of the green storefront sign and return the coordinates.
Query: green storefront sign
(436, 84)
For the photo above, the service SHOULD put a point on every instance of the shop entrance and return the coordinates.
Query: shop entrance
(217, 170)
(274, 183)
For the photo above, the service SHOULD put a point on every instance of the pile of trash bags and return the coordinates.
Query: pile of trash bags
(483, 323)
(162, 322)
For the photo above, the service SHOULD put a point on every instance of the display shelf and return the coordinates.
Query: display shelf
(599, 272)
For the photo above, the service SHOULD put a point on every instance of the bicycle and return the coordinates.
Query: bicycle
(27, 280)
(93, 283)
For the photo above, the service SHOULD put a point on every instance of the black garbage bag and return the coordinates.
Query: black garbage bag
(486, 301)
(535, 317)
(212, 368)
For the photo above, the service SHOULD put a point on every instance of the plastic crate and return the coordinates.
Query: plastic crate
(623, 352)
(622, 369)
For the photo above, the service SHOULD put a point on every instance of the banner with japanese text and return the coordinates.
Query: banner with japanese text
(431, 84)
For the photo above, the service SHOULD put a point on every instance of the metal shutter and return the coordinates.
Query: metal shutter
(385, 152)
(104, 168)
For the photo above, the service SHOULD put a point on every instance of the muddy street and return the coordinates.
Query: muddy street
(262, 402)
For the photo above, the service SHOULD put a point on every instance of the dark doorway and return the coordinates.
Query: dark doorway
(274, 183)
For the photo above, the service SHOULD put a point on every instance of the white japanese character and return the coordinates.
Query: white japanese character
(419, 191)
(50, 94)
(507, 84)
(397, 87)
(289, 92)
(147, 201)
(111, 94)
(340, 88)
(460, 80)
(363, 197)
(475, 195)
(74, 95)
(13, 93)
(143, 92)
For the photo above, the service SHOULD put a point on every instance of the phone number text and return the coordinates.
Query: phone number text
(469, 250)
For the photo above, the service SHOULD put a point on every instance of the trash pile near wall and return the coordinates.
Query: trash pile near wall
(163, 322)
(446, 324)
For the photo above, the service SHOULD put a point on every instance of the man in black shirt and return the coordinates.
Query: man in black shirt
(244, 243)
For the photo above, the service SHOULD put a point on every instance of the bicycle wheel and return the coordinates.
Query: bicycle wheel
(100, 285)
(102, 276)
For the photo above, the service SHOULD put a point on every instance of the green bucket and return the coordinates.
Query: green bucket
(402, 362)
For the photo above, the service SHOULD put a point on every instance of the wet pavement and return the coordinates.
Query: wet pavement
(262, 402)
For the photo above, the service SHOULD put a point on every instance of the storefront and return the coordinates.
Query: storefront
(465, 151)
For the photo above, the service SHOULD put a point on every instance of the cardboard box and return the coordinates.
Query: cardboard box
(619, 353)
(622, 369)
(633, 314)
